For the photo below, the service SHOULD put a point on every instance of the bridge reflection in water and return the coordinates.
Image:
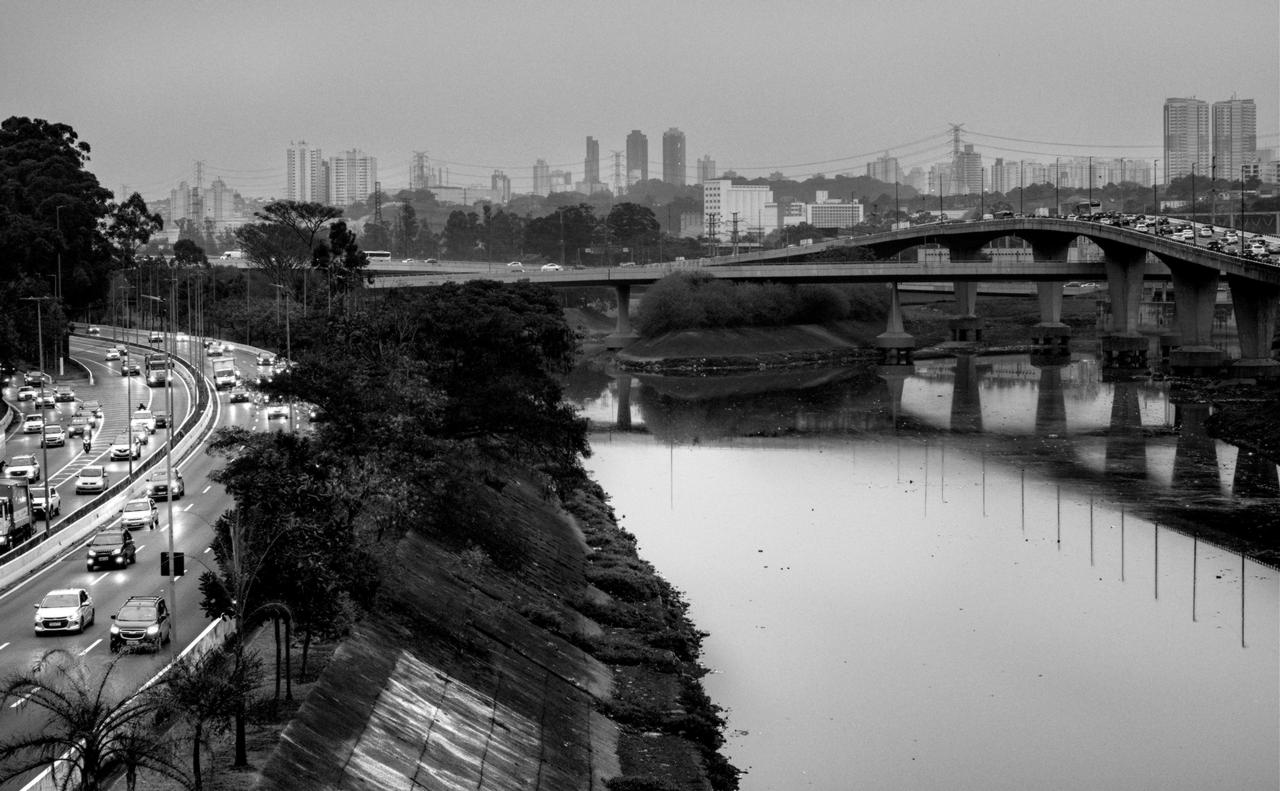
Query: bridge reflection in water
(1126, 443)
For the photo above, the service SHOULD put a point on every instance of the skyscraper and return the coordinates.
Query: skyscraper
(541, 178)
(591, 165)
(673, 161)
(500, 183)
(1186, 137)
(706, 169)
(352, 176)
(419, 170)
(885, 169)
(637, 157)
(305, 173)
(1235, 136)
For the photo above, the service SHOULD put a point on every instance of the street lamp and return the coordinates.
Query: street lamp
(1057, 178)
(57, 219)
(1242, 207)
(168, 445)
(44, 446)
(1155, 200)
(288, 345)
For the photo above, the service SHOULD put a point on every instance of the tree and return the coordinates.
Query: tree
(274, 249)
(407, 228)
(375, 236)
(83, 721)
(188, 253)
(633, 226)
(130, 225)
(461, 236)
(208, 692)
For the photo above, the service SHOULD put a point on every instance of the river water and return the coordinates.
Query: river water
(975, 573)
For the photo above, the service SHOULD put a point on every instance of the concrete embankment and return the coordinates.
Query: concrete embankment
(471, 676)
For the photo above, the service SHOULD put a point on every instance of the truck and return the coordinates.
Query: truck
(224, 373)
(157, 367)
(16, 519)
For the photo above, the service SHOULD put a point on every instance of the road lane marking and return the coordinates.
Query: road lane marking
(4, 646)
(188, 508)
(91, 646)
(22, 700)
(206, 489)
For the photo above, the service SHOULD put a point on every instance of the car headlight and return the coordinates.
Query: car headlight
(74, 619)
(115, 629)
(116, 551)
(153, 629)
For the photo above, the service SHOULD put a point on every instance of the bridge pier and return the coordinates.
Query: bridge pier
(894, 344)
(1195, 289)
(1051, 402)
(1124, 348)
(966, 398)
(1255, 308)
(1051, 338)
(622, 335)
(966, 327)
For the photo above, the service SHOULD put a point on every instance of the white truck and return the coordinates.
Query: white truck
(224, 373)
(16, 523)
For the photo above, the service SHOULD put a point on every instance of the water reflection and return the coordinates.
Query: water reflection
(979, 572)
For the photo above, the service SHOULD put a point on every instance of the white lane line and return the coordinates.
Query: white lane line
(206, 489)
(91, 646)
(4, 646)
(20, 701)
(188, 508)
(207, 550)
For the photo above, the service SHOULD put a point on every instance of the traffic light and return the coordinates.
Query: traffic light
(179, 564)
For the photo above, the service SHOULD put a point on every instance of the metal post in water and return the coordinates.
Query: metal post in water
(1242, 645)
(1122, 543)
(1059, 507)
(1022, 486)
(1195, 540)
(1155, 554)
(1091, 531)
(984, 484)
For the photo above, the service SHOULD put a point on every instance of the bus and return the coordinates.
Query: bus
(377, 255)
(1088, 208)
(157, 368)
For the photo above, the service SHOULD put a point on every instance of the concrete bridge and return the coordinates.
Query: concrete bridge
(1129, 257)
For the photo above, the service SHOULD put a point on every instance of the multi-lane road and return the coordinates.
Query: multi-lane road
(192, 518)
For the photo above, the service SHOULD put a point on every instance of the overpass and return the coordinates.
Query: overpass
(1129, 257)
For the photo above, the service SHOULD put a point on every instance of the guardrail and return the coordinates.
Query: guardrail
(84, 521)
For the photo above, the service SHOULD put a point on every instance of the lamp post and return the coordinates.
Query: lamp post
(288, 347)
(44, 446)
(168, 445)
(1022, 186)
(1155, 200)
(1193, 198)
(1057, 177)
(1242, 207)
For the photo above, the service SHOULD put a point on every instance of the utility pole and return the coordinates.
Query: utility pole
(734, 236)
(617, 172)
(713, 219)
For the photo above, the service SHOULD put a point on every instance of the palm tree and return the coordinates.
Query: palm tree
(87, 733)
(208, 692)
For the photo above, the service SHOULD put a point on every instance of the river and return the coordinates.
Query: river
(975, 573)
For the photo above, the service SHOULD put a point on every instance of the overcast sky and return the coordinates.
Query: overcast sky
(801, 87)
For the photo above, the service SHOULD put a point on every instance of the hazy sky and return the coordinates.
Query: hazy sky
(801, 87)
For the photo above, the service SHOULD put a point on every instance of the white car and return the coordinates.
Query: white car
(277, 409)
(552, 268)
(65, 610)
(125, 446)
(147, 418)
(113, 353)
(1206, 230)
(140, 430)
(33, 424)
(37, 502)
(27, 393)
(516, 266)
(93, 478)
(26, 467)
(54, 435)
(141, 512)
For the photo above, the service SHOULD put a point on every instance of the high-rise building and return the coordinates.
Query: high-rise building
(967, 172)
(1186, 138)
(541, 178)
(673, 160)
(353, 176)
(727, 208)
(706, 169)
(637, 157)
(1235, 137)
(591, 165)
(500, 183)
(305, 173)
(885, 169)
(419, 171)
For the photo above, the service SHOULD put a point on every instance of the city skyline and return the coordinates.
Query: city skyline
(1096, 86)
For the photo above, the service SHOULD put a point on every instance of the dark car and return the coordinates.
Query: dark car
(159, 485)
(112, 548)
(162, 419)
(142, 622)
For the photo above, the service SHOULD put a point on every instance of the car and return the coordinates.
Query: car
(129, 368)
(215, 349)
(316, 414)
(78, 426)
(627, 263)
(155, 337)
(266, 358)
(112, 353)
(33, 424)
(124, 446)
(1230, 237)
(140, 512)
(159, 485)
(27, 393)
(94, 331)
(37, 502)
(1258, 248)
(140, 432)
(33, 377)
(93, 478)
(141, 621)
(1273, 247)
(93, 408)
(26, 467)
(552, 268)
(515, 266)
(148, 419)
(65, 610)
(112, 546)
(432, 261)
(162, 419)
(53, 436)
(63, 394)
(277, 408)
(45, 400)
(239, 395)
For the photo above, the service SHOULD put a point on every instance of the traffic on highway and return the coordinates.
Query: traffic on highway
(83, 526)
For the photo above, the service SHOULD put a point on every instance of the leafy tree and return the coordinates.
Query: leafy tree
(375, 236)
(341, 260)
(407, 228)
(570, 229)
(633, 226)
(274, 249)
(130, 225)
(208, 692)
(188, 253)
(461, 236)
(304, 219)
(84, 721)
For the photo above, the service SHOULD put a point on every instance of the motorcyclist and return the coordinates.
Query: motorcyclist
(88, 443)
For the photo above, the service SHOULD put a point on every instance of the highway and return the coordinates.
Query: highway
(191, 527)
